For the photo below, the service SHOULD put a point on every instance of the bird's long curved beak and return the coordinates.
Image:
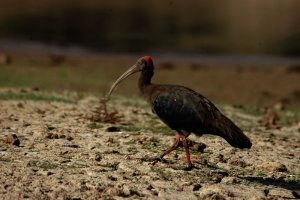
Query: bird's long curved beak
(129, 72)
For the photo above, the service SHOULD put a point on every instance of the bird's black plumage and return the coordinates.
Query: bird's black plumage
(184, 110)
(187, 111)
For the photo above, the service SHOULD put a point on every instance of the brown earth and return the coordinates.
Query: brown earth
(64, 155)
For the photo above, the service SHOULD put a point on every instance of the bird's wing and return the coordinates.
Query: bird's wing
(216, 123)
(175, 108)
(185, 110)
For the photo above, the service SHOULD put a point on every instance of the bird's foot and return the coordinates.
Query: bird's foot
(187, 167)
(158, 159)
(154, 160)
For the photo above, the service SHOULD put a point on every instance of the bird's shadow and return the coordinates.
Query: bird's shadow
(289, 185)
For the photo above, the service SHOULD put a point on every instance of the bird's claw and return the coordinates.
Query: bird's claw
(154, 160)
(187, 167)
(158, 159)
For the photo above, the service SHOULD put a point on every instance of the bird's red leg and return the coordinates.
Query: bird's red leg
(173, 147)
(179, 138)
(187, 151)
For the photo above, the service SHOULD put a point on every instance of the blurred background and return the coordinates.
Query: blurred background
(210, 27)
(215, 42)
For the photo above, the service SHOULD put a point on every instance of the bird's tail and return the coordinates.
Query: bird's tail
(233, 134)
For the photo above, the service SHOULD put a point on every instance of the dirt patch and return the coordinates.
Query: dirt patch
(63, 154)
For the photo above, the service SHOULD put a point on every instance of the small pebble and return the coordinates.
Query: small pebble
(12, 139)
(196, 187)
(98, 157)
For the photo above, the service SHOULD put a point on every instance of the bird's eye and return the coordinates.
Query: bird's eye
(141, 62)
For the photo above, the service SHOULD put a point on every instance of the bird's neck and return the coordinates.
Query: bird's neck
(145, 80)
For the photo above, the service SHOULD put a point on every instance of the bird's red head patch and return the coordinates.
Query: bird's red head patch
(148, 60)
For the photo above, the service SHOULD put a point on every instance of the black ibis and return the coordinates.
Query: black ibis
(183, 110)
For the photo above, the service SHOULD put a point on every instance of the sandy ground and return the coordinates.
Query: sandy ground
(63, 155)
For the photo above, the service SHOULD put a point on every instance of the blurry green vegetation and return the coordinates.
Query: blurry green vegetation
(84, 74)
(132, 102)
(34, 96)
(131, 142)
(289, 116)
(154, 146)
(130, 128)
(5, 159)
(51, 77)
(155, 126)
(163, 129)
(73, 166)
(94, 125)
(229, 26)
(46, 165)
(251, 110)
(236, 85)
